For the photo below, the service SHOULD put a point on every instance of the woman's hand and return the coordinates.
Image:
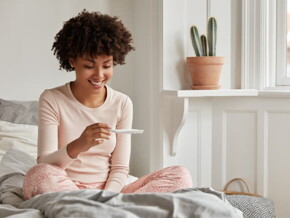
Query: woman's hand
(93, 135)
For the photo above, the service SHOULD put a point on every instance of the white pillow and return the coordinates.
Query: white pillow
(18, 136)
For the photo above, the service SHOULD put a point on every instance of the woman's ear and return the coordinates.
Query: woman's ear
(71, 62)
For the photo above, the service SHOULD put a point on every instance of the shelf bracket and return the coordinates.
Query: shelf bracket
(179, 115)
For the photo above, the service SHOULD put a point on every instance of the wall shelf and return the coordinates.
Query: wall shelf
(180, 106)
(275, 93)
(212, 93)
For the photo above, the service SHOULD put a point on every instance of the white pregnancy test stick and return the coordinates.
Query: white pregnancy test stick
(127, 131)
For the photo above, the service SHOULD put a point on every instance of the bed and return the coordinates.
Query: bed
(18, 138)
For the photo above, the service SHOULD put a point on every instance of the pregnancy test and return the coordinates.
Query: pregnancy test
(127, 131)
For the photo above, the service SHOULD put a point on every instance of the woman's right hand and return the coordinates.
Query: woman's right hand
(93, 135)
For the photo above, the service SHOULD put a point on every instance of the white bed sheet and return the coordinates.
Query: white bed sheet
(18, 136)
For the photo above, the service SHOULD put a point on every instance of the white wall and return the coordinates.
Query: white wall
(146, 85)
(251, 141)
(28, 28)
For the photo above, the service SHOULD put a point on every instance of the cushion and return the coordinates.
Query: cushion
(18, 136)
(16, 161)
(252, 206)
(21, 112)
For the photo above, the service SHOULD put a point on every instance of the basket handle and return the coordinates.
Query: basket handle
(236, 179)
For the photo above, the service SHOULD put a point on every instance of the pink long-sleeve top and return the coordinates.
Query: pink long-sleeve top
(62, 119)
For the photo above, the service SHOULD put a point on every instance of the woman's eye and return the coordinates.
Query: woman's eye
(107, 67)
(88, 67)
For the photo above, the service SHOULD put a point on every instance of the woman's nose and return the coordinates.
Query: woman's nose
(98, 73)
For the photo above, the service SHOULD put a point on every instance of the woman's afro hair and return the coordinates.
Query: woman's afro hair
(92, 34)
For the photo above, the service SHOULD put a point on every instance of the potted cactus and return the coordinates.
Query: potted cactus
(205, 68)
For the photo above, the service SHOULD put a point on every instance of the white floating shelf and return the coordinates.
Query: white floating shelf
(275, 93)
(180, 106)
(212, 93)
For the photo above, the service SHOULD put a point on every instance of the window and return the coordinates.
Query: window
(283, 43)
(266, 44)
(288, 38)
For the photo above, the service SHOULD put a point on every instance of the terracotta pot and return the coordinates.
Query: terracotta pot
(205, 71)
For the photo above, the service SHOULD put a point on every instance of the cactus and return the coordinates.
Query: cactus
(195, 40)
(211, 36)
(200, 44)
(203, 45)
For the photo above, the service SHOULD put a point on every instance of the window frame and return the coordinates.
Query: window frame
(264, 45)
(283, 78)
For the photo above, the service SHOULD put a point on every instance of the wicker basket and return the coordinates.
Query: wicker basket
(238, 193)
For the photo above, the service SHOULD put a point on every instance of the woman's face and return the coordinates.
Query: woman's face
(93, 73)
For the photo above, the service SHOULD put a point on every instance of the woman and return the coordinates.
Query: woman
(76, 149)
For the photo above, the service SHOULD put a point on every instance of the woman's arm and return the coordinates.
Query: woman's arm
(121, 155)
(48, 123)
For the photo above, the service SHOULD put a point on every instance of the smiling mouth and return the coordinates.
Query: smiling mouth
(96, 83)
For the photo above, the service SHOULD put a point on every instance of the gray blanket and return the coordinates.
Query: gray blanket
(202, 202)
